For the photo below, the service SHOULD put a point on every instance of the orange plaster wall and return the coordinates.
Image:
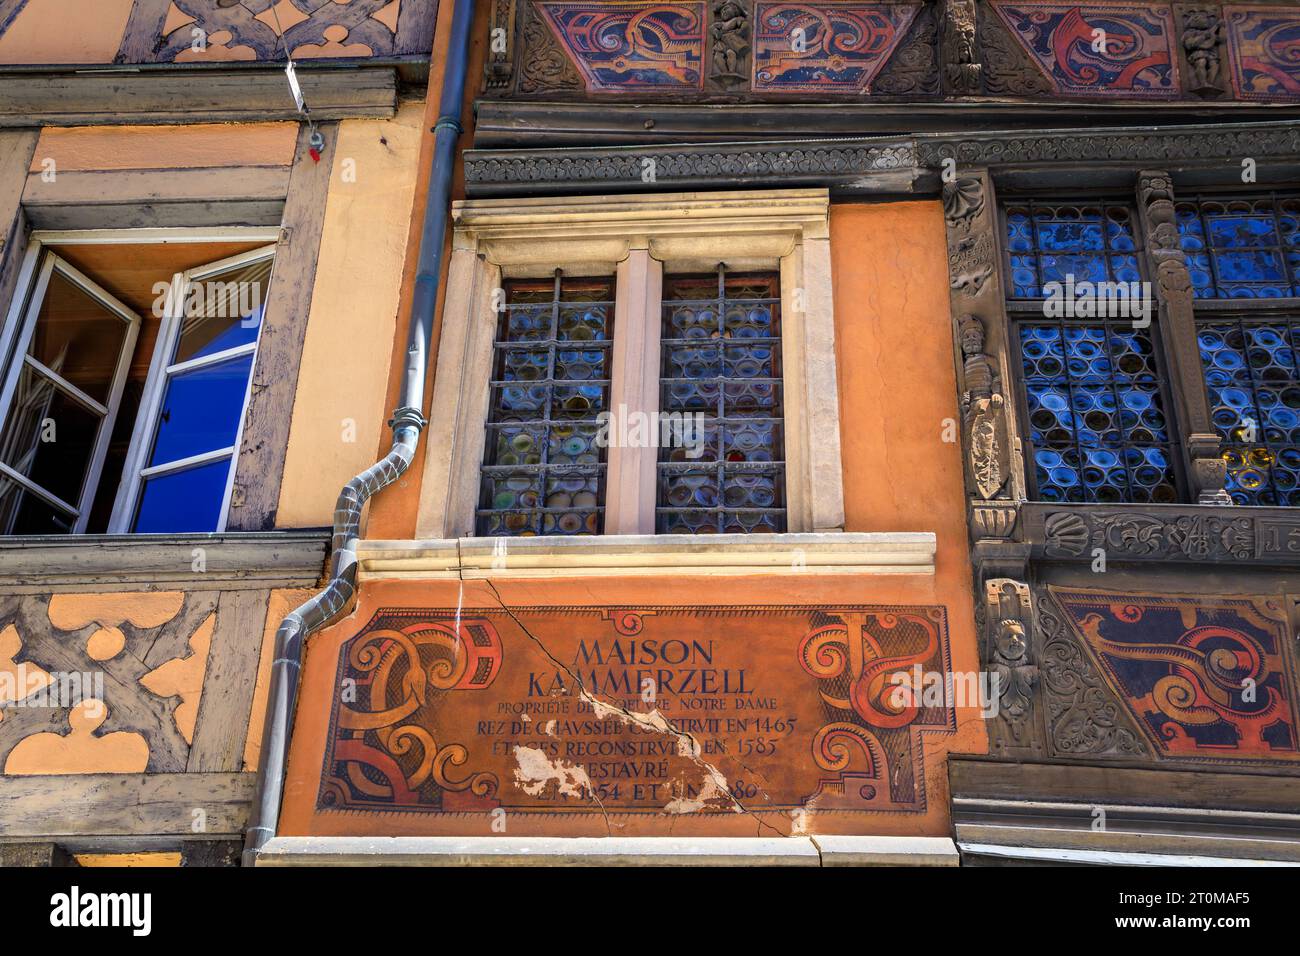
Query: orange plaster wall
(393, 513)
(202, 145)
(66, 31)
(897, 387)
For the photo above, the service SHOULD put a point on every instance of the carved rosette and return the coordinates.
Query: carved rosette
(1173, 288)
(1009, 655)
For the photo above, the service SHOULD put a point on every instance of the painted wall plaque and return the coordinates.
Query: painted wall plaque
(825, 47)
(1265, 51)
(1205, 678)
(632, 47)
(639, 717)
(1122, 50)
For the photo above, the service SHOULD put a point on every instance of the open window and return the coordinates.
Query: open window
(126, 383)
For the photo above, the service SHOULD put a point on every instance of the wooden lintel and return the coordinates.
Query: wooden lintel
(178, 95)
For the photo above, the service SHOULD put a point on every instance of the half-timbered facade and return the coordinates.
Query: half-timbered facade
(855, 431)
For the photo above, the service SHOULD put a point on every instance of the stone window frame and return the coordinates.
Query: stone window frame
(637, 239)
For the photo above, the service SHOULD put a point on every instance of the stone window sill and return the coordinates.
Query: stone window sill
(607, 555)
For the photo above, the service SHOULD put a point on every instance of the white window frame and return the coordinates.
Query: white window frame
(15, 338)
(638, 239)
(161, 370)
(34, 278)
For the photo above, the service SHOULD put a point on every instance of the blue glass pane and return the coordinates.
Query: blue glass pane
(1241, 248)
(1059, 243)
(183, 501)
(201, 410)
(1096, 416)
(1252, 379)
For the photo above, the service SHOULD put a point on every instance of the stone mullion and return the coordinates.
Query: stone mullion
(1166, 263)
(631, 476)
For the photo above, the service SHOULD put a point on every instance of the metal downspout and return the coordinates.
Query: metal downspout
(407, 423)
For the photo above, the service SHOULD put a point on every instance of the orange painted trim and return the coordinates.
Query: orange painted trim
(393, 512)
(206, 145)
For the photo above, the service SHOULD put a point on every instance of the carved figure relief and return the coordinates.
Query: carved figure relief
(982, 411)
(1202, 35)
(729, 44)
(1009, 620)
(961, 67)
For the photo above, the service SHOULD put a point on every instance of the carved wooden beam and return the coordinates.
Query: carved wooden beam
(1173, 285)
(994, 469)
(1010, 656)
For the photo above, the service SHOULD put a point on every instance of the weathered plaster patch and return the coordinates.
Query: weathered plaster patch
(535, 771)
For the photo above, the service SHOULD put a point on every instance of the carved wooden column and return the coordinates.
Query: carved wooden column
(959, 53)
(993, 460)
(1011, 660)
(1207, 471)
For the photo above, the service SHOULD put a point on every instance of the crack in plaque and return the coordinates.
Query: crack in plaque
(687, 745)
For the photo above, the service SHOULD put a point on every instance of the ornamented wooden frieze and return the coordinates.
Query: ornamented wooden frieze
(1204, 678)
(825, 48)
(185, 31)
(641, 718)
(1223, 535)
(1103, 50)
(1263, 42)
(1117, 50)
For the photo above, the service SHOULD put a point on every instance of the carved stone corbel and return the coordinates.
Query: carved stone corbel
(1173, 287)
(1010, 659)
(499, 69)
(960, 54)
(1202, 39)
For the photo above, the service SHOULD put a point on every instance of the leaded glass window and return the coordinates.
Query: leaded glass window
(1242, 248)
(1091, 388)
(544, 471)
(1252, 375)
(721, 360)
(1093, 243)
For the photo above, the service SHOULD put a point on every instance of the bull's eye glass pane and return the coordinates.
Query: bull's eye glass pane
(544, 460)
(1093, 243)
(1252, 377)
(1097, 421)
(721, 458)
(1241, 248)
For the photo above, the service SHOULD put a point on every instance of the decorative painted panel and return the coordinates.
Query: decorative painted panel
(632, 47)
(1265, 51)
(1203, 678)
(644, 718)
(1098, 49)
(825, 47)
